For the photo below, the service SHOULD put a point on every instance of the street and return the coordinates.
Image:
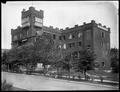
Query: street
(34, 82)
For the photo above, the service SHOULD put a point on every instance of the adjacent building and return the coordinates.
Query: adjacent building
(70, 40)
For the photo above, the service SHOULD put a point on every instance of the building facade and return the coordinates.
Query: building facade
(70, 40)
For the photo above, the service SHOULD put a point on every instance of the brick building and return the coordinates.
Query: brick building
(70, 40)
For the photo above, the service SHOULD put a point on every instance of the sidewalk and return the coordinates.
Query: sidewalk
(33, 82)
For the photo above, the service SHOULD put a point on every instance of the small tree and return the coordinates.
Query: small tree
(67, 63)
(85, 62)
(4, 60)
(114, 57)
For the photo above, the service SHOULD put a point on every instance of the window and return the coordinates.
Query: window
(79, 35)
(20, 36)
(73, 44)
(35, 39)
(88, 46)
(59, 46)
(79, 43)
(60, 38)
(73, 36)
(75, 54)
(103, 63)
(15, 37)
(107, 45)
(102, 34)
(70, 45)
(64, 37)
(27, 33)
(39, 32)
(38, 20)
(64, 46)
(88, 34)
(70, 37)
(54, 36)
(101, 44)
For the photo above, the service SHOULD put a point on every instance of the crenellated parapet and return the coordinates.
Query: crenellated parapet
(16, 31)
(34, 11)
(99, 25)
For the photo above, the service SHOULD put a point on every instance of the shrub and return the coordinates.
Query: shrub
(5, 86)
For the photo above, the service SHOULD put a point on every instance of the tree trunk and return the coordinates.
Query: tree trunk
(44, 70)
(85, 74)
(101, 78)
(69, 73)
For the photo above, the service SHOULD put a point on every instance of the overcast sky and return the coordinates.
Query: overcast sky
(62, 14)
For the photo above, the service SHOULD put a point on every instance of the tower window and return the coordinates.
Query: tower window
(54, 36)
(79, 43)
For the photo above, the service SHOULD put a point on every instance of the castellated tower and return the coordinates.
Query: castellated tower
(32, 25)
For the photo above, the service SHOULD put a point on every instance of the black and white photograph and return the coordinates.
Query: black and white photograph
(59, 45)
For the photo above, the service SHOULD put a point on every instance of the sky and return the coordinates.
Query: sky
(62, 14)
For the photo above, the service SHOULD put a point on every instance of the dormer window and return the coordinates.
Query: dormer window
(79, 43)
